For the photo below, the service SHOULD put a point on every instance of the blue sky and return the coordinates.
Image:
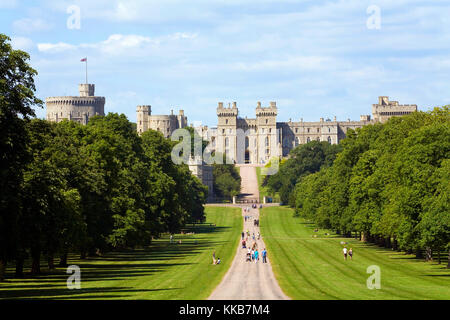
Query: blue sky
(315, 58)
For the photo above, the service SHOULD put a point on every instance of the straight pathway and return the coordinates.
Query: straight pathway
(249, 280)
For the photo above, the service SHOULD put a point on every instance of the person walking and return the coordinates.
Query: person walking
(242, 235)
(264, 255)
(350, 254)
(345, 252)
(256, 255)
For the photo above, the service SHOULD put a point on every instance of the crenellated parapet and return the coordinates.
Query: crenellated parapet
(76, 108)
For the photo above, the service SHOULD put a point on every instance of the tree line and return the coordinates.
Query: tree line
(66, 187)
(388, 185)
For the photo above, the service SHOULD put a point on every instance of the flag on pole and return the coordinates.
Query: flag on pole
(85, 60)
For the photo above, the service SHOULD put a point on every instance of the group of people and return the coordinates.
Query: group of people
(348, 252)
(253, 254)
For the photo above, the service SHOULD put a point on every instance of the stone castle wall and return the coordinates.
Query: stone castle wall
(76, 108)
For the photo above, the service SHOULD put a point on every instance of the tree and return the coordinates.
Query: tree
(303, 160)
(17, 100)
(227, 181)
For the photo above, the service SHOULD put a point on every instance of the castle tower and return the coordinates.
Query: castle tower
(386, 109)
(142, 115)
(268, 140)
(76, 108)
(86, 90)
(226, 130)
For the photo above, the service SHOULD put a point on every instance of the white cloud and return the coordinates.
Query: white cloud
(118, 44)
(55, 47)
(30, 25)
(21, 43)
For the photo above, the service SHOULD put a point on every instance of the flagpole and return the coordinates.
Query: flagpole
(86, 72)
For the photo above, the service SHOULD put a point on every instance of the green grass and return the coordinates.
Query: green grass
(309, 267)
(164, 271)
(264, 190)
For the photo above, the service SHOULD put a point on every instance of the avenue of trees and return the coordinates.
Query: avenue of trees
(303, 160)
(86, 189)
(389, 185)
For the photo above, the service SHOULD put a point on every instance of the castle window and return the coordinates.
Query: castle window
(308, 130)
(223, 131)
(296, 130)
(226, 142)
(329, 140)
(329, 129)
(262, 130)
(226, 121)
(270, 130)
(267, 141)
(296, 141)
(318, 129)
(308, 139)
(267, 151)
(267, 121)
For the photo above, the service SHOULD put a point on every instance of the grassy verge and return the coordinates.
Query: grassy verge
(310, 265)
(164, 271)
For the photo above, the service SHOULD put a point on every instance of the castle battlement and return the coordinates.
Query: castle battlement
(76, 108)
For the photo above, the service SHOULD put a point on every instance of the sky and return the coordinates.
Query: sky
(314, 58)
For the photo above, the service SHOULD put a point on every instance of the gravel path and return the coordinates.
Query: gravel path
(249, 280)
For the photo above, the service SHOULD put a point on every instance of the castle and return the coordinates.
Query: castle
(166, 124)
(79, 109)
(257, 140)
(241, 140)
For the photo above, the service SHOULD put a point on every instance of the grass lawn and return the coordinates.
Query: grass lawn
(309, 267)
(164, 271)
(263, 190)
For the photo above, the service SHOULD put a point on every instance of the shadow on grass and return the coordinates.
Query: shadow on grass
(64, 293)
(124, 265)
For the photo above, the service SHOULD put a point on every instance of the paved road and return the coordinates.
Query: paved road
(249, 280)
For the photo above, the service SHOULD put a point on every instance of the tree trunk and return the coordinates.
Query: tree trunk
(3, 268)
(363, 236)
(19, 267)
(35, 261)
(429, 254)
(387, 242)
(395, 244)
(51, 261)
(439, 255)
(63, 260)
